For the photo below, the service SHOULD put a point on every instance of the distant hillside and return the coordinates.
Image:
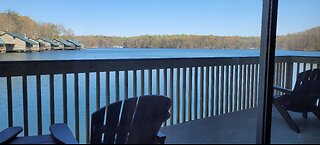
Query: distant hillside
(14, 22)
(171, 41)
(306, 40)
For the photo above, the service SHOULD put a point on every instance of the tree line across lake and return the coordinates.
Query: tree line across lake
(14, 22)
(308, 40)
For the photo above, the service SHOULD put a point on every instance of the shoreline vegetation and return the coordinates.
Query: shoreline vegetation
(307, 40)
(12, 21)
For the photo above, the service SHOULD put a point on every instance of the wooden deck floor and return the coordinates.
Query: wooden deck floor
(240, 127)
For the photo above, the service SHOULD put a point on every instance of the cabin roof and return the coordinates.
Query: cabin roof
(1, 42)
(34, 40)
(21, 37)
(49, 41)
(78, 44)
(64, 42)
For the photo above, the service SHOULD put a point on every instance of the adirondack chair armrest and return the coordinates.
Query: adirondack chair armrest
(284, 90)
(62, 134)
(161, 138)
(9, 134)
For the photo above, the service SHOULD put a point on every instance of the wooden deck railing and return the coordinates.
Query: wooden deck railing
(69, 91)
(287, 69)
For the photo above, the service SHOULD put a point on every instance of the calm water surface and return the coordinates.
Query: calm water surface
(116, 53)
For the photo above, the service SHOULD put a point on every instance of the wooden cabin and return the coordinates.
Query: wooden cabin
(35, 47)
(2, 46)
(44, 45)
(64, 45)
(77, 44)
(60, 45)
(9, 43)
(17, 43)
(48, 44)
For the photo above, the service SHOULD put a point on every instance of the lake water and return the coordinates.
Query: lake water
(110, 53)
(116, 53)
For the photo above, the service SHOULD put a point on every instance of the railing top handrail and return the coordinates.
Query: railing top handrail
(127, 59)
(305, 59)
(43, 67)
(145, 59)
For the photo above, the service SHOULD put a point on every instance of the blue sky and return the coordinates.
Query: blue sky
(139, 17)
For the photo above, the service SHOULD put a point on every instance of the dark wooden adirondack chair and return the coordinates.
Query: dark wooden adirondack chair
(303, 98)
(133, 121)
(9, 134)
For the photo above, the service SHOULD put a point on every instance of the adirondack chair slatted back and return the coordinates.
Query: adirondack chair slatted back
(126, 120)
(306, 90)
(134, 121)
(314, 88)
(113, 113)
(97, 124)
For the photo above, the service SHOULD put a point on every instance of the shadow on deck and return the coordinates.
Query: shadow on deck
(240, 127)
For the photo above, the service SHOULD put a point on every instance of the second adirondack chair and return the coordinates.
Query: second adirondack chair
(303, 98)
